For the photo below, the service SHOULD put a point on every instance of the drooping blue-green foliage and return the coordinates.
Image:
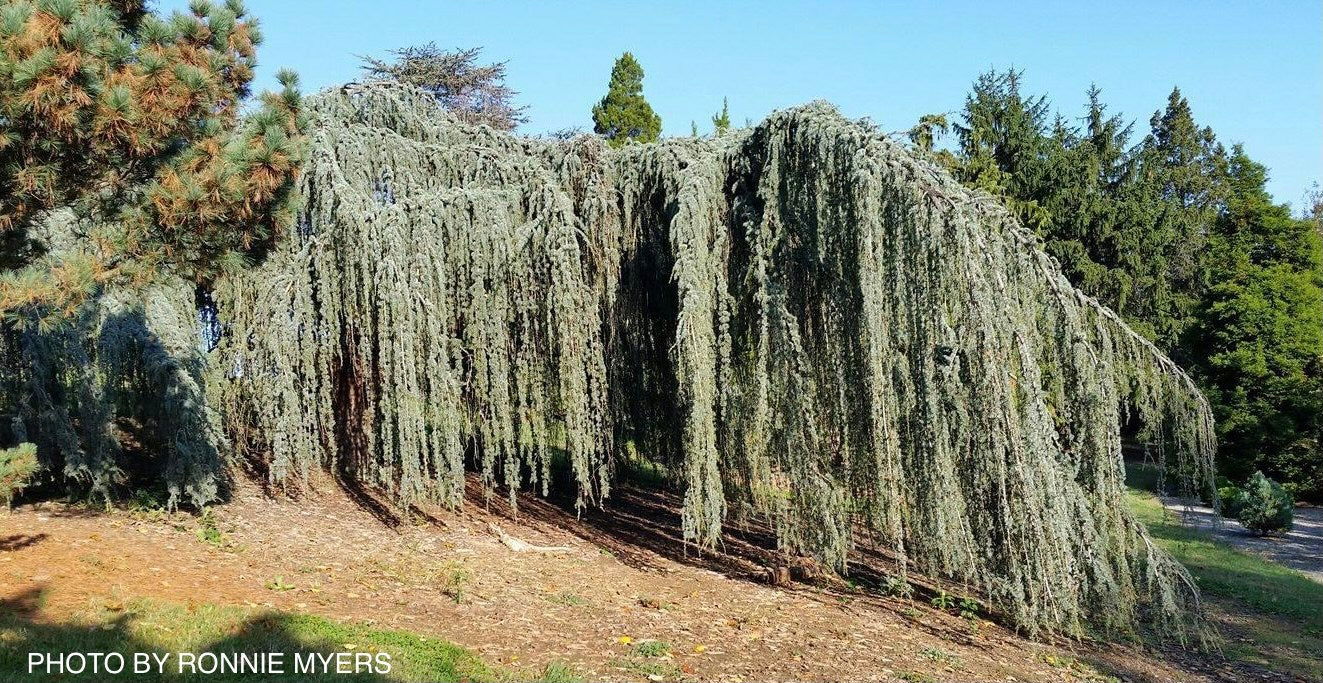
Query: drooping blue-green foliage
(805, 321)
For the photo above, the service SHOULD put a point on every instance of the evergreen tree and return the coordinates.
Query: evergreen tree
(623, 115)
(1187, 168)
(133, 120)
(1260, 335)
(1182, 241)
(721, 121)
(473, 92)
(1101, 226)
(1002, 144)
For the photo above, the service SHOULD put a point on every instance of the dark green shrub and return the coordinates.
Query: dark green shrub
(1266, 506)
(1232, 498)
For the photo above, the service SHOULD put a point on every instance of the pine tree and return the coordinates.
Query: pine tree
(721, 120)
(129, 182)
(133, 120)
(623, 115)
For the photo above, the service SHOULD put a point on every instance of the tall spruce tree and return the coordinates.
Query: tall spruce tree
(1187, 168)
(623, 115)
(1101, 225)
(1002, 146)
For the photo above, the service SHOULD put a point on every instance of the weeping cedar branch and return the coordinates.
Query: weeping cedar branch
(805, 320)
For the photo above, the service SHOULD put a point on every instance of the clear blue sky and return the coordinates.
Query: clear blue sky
(1251, 70)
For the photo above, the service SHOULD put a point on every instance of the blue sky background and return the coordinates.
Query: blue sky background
(1251, 70)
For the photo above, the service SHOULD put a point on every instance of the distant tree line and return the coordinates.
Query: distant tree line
(1179, 235)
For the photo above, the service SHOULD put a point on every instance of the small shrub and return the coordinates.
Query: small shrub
(943, 600)
(559, 672)
(208, 532)
(17, 467)
(969, 608)
(1267, 506)
(894, 585)
(653, 648)
(146, 505)
(453, 580)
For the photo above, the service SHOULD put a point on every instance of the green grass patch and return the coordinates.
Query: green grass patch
(148, 626)
(1275, 614)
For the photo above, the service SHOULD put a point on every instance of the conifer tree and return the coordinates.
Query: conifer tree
(130, 181)
(132, 119)
(623, 115)
(1181, 240)
(787, 318)
(1187, 168)
(1101, 229)
(1001, 144)
(721, 120)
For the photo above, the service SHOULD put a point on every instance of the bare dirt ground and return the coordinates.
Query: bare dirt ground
(1301, 548)
(626, 580)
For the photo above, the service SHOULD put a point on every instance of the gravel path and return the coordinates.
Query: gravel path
(1300, 549)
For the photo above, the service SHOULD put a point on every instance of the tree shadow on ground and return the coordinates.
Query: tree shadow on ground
(641, 526)
(165, 629)
(20, 541)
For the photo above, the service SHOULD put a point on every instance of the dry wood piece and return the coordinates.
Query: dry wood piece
(524, 546)
(777, 576)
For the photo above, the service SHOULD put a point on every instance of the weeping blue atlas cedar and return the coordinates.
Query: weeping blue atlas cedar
(806, 322)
